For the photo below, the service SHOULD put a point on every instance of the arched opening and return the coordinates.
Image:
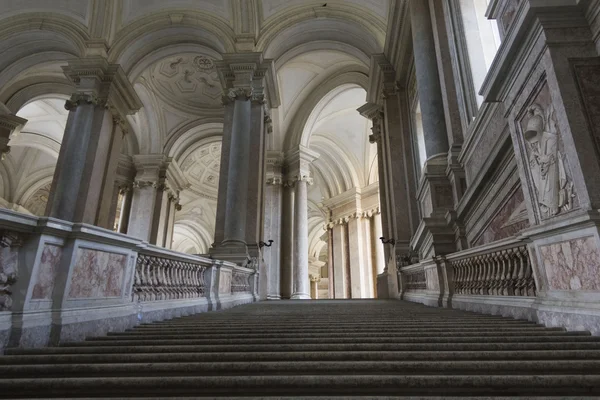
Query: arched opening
(29, 167)
(344, 197)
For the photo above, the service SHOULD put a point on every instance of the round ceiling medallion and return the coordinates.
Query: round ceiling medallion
(202, 63)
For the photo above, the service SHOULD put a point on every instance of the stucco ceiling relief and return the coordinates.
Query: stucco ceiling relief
(190, 79)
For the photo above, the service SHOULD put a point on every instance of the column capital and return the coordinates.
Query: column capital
(371, 111)
(299, 161)
(101, 83)
(150, 168)
(10, 125)
(246, 76)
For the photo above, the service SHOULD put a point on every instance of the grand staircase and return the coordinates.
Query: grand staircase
(311, 349)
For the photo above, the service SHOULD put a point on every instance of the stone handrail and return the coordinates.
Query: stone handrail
(240, 281)
(506, 271)
(169, 277)
(414, 278)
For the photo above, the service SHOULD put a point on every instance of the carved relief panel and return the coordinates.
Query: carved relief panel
(550, 181)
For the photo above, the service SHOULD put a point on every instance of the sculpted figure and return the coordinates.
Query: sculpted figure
(546, 163)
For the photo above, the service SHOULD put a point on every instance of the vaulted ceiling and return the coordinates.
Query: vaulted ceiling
(321, 50)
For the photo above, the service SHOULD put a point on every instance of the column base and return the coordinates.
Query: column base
(300, 296)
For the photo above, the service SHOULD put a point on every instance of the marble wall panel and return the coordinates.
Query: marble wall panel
(588, 80)
(97, 274)
(225, 282)
(508, 16)
(46, 272)
(572, 264)
(432, 278)
(509, 221)
(494, 131)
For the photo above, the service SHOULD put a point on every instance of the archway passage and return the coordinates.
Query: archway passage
(344, 199)
(27, 170)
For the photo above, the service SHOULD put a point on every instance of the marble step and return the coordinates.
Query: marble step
(304, 337)
(556, 337)
(302, 356)
(305, 385)
(462, 397)
(337, 333)
(205, 328)
(208, 348)
(298, 368)
(341, 321)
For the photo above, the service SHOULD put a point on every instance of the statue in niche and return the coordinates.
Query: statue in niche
(546, 163)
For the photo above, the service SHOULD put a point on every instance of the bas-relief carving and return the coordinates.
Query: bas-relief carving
(97, 274)
(44, 283)
(546, 163)
(508, 15)
(225, 282)
(573, 264)
(510, 220)
(8, 275)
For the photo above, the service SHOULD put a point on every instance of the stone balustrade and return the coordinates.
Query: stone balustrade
(240, 281)
(94, 280)
(414, 279)
(168, 278)
(506, 272)
(490, 274)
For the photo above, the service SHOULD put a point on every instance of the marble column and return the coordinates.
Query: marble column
(241, 184)
(428, 80)
(105, 217)
(301, 284)
(314, 287)
(174, 206)
(287, 241)
(357, 254)
(147, 192)
(103, 92)
(272, 228)
(330, 274)
(339, 259)
(237, 185)
(379, 254)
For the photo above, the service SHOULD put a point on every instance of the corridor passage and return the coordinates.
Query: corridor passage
(345, 348)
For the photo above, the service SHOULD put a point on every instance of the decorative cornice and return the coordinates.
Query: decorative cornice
(275, 181)
(100, 83)
(137, 184)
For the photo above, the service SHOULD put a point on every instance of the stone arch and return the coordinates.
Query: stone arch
(192, 133)
(157, 31)
(348, 24)
(297, 135)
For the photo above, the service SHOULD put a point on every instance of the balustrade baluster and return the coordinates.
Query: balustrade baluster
(480, 266)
